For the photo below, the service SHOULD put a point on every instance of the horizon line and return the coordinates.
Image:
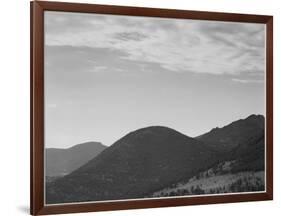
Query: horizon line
(101, 143)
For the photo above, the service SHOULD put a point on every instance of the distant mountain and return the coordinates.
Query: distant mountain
(237, 133)
(60, 162)
(138, 164)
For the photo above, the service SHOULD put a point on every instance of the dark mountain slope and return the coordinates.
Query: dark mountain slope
(239, 132)
(249, 156)
(240, 170)
(63, 161)
(143, 161)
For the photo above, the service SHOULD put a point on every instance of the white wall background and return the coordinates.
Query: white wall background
(14, 108)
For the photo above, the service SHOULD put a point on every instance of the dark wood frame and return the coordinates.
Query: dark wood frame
(37, 107)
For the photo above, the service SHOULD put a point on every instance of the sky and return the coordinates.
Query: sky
(108, 75)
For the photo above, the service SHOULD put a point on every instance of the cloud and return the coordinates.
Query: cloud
(246, 81)
(62, 22)
(177, 45)
(245, 35)
(130, 36)
(99, 68)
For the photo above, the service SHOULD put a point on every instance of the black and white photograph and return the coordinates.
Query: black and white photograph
(149, 108)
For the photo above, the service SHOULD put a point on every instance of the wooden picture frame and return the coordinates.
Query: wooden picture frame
(37, 203)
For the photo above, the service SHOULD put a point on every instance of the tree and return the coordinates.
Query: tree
(198, 190)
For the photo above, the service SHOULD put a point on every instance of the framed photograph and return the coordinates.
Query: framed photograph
(141, 107)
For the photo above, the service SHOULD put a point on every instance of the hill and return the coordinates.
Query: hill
(60, 162)
(138, 164)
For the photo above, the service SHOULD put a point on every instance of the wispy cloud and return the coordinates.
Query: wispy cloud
(130, 36)
(244, 81)
(176, 45)
(99, 68)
